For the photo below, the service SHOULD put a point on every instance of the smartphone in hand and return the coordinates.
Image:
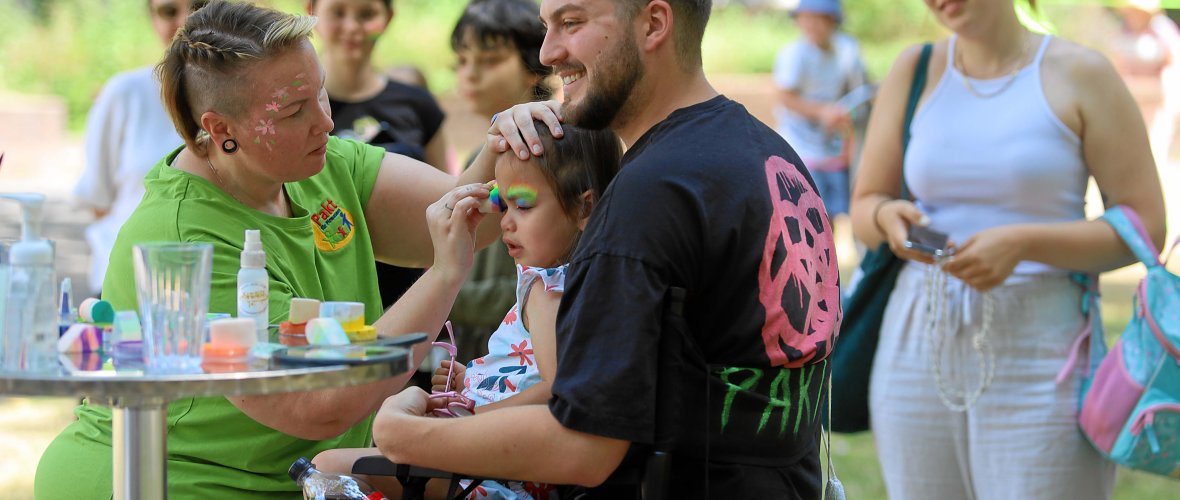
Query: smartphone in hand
(926, 240)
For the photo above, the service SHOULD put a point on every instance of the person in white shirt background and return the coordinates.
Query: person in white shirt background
(127, 131)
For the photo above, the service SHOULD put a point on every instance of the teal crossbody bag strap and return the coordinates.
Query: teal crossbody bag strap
(916, 88)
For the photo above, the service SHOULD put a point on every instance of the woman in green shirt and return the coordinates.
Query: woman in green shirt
(245, 90)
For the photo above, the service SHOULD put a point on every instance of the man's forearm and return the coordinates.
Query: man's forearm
(524, 443)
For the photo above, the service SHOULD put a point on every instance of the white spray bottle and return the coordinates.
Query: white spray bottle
(30, 321)
(254, 285)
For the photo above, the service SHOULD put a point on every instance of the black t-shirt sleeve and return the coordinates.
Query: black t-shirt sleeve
(428, 112)
(608, 344)
(642, 239)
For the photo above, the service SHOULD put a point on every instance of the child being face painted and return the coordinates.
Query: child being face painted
(349, 29)
(547, 199)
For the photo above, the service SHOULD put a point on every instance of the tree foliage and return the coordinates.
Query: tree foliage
(71, 47)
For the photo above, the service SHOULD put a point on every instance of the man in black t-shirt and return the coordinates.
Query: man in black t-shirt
(702, 302)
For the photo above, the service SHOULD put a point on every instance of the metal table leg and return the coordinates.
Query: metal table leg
(139, 446)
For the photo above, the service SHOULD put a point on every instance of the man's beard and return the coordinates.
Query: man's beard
(603, 102)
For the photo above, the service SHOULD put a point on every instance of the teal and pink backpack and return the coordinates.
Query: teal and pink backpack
(1130, 406)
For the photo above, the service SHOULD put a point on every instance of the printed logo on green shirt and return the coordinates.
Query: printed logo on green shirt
(333, 226)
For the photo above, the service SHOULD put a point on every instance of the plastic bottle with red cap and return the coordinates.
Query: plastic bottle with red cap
(319, 485)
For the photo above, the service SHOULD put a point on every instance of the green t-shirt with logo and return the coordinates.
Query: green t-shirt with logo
(323, 252)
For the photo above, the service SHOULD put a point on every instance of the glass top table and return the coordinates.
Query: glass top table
(139, 400)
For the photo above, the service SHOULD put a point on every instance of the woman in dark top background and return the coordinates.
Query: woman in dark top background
(369, 107)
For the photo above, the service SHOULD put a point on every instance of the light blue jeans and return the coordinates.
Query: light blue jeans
(833, 188)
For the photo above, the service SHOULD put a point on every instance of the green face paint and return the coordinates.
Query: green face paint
(524, 195)
(298, 83)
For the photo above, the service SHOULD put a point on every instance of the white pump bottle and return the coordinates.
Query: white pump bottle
(28, 338)
(254, 285)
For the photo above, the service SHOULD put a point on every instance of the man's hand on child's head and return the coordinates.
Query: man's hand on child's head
(513, 128)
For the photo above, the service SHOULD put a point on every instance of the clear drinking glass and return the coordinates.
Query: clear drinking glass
(172, 287)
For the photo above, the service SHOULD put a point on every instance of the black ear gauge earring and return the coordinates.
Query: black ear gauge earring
(230, 146)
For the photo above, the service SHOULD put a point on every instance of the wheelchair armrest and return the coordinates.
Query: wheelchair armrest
(378, 465)
(652, 478)
(413, 478)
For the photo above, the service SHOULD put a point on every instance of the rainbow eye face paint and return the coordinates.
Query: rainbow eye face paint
(495, 202)
(497, 197)
(523, 195)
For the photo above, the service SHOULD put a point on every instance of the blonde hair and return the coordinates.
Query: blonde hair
(216, 46)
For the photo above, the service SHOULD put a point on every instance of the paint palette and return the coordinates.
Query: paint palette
(338, 355)
(383, 350)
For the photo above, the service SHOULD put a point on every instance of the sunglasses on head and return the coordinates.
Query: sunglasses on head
(462, 407)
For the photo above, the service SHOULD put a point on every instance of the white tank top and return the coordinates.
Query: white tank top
(976, 163)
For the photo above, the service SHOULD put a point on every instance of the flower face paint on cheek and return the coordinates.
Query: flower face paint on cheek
(279, 96)
(265, 127)
(523, 195)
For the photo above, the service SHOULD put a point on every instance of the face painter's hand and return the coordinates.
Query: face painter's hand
(452, 221)
(513, 128)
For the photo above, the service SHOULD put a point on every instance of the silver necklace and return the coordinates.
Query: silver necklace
(224, 186)
(961, 62)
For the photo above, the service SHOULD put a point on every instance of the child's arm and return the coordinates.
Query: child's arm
(789, 72)
(829, 114)
(540, 318)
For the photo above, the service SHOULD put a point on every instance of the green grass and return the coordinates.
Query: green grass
(855, 459)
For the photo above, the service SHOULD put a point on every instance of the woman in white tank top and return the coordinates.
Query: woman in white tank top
(1009, 128)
